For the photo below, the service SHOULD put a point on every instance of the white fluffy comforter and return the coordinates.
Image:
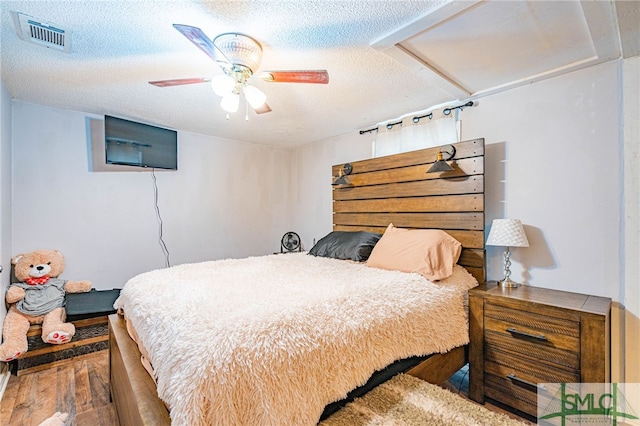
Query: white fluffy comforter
(271, 340)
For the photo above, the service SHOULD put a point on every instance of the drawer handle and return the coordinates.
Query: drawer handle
(527, 383)
(529, 335)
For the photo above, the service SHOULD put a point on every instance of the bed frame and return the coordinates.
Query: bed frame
(393, 189)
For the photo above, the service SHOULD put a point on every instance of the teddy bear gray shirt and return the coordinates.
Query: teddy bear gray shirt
(40, 299)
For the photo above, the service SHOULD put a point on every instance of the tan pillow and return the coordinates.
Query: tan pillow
(431, 253)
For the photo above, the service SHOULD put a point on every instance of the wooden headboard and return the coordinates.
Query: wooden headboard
(397, 189)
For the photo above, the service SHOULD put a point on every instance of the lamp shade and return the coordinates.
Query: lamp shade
(230, 102)
(440, 166)
(341, 180)
(507, 233)
(223, 84)
(255, 96)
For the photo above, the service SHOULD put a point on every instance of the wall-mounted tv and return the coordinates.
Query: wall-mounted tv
(141, 145)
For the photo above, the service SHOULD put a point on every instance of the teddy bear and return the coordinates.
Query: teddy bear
(37, 299)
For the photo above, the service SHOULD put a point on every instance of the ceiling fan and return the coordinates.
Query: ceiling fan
(239, 56)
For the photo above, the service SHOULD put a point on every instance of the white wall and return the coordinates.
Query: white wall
(5, 192)
(311, 199)
(228, 199)
(552, 160)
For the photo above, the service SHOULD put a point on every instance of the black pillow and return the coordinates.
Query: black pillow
(346, 245)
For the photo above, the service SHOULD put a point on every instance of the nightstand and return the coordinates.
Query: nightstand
(520, 337)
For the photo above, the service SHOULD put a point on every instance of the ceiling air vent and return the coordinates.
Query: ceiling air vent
(43, 33)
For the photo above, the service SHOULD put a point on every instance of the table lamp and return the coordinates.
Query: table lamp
(507, 233)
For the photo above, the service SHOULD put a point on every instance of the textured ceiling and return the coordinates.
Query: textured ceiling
(118, 46)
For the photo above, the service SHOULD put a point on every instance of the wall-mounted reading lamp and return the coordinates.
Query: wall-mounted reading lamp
(445, 154)
(342, 175)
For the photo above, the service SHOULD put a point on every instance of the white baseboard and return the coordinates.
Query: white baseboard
(5, 374)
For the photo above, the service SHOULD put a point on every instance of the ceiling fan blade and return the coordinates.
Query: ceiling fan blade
(263, 109)
(179, 82)
(200, 39)
(308, 76)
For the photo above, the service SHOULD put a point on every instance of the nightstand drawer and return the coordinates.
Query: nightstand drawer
(505, 391)
(515, 381)
(502, 364)
(542, 352)
(534, 328)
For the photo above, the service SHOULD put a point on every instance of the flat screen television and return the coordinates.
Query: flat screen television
(141, 145)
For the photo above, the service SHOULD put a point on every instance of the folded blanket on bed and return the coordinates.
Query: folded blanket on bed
(271, 340)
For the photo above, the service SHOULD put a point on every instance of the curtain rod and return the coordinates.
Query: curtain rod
(445, 111)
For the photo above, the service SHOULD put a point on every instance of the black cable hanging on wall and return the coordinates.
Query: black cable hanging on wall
(163, 246)
(416, 119)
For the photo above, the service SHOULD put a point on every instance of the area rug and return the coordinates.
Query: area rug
(408, 401)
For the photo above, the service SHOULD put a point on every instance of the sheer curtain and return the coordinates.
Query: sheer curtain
(434, 130)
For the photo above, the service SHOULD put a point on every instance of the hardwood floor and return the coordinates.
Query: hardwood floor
(80, 387)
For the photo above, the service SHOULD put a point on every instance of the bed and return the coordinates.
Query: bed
(307, 346)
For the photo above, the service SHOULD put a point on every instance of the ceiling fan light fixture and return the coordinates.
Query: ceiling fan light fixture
(255, 96)
(222, 85)
(239, 49)
(230, 102)
(238, 55)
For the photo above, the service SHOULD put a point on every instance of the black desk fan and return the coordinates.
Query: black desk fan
(290, 243)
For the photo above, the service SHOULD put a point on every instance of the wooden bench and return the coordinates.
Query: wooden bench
(88, 312)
